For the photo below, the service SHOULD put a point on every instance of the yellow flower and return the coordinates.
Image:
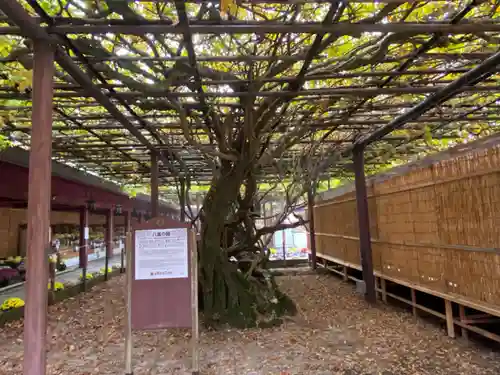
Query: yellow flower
(88, 276)
(11, 303)
(57, 286)
(102, 271)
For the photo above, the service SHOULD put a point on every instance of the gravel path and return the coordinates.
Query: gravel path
(335, 333)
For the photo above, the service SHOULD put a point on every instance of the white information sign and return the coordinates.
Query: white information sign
(86, 233)
(161, 254)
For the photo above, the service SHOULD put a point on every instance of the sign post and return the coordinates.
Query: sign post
(162, 281)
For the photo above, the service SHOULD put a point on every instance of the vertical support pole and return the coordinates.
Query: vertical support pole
(39, 193)
(128, 286)
(264, 214)
(109, 240)
(414, 302)
(345, 273)
(198, 206)
(52, 278)
(463, 331)
(283, 245)
(128, 219)
(84, 244)
(182, 199)
(383, 286)
(312, 231)
(154, 185)
(194, 302)
(364, 225)
(378, 290)
(449, 318)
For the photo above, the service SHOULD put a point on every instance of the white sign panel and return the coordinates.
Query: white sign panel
(86, 233)
(161, 254)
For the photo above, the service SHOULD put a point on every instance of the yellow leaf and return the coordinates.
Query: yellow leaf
(24, 84)
(228, 6)
(427, 135)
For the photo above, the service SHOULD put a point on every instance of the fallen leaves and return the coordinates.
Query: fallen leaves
(336, 332)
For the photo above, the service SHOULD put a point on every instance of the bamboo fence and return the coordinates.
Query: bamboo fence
(434, 223)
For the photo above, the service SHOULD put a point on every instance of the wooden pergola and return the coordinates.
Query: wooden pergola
(133, 80)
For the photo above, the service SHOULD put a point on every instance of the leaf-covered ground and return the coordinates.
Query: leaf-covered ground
(335, 333)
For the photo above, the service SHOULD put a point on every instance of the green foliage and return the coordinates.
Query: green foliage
(285, 144)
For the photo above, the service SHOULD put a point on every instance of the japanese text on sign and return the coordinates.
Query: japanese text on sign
(161, 254)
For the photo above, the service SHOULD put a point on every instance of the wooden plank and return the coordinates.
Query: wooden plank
(414, 301)
(452, 297)
(478, 330)
(461, 312)
(449, 318)
(128, 287)
(384, 289)
(420, 307)
(39, 206)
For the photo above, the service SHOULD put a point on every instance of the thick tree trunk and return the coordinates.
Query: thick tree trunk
(229, 294)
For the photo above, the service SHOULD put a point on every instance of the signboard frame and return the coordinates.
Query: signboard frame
(162, 302)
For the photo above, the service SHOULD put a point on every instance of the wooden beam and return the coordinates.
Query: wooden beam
(110, 231)
(39, 201)
(84, 243)
(364, 225)
(321, 92)
(449, 318)
(182, 199)
(154, 185)
(262, 28)
(469, 79)
(312, 232)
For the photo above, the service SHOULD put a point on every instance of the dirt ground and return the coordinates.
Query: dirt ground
(334, 333)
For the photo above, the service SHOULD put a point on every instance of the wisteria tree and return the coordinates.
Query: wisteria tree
(246, 113)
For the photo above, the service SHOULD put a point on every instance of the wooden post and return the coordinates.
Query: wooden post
(283, 245)
(364, 225)
(344, 271)
(182, 199)
(194, 302)
(128, 286)
(414, 302)
(84, 244)
(39, 198)
(312, 232)
(128, 219)
(463, 331)
(449, 318)
(52, 278)
(198, 206)
(383, 286)
(109, 240)
(154, 185)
